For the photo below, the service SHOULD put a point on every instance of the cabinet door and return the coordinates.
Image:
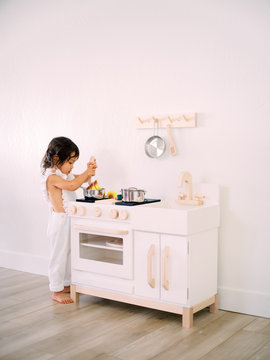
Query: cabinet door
(146, 264)
(174, 263)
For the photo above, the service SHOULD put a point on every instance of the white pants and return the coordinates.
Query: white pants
(58, 233)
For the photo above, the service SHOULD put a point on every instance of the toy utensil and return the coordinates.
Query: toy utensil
(172, 145)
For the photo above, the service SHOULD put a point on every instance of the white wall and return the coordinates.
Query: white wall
(86, 69)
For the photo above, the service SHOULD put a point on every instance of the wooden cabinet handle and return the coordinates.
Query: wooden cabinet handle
(165, 256)
(150, 255)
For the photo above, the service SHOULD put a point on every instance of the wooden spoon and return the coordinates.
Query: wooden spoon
(172, 146)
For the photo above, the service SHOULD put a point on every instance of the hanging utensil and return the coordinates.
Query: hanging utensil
(155, 146)
(172, 145)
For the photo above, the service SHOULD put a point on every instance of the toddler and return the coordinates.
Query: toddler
(59, 185)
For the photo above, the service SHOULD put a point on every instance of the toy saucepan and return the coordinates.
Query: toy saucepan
(155, 146)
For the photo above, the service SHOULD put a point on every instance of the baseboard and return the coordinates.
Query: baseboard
(243, 301)
(24, 262)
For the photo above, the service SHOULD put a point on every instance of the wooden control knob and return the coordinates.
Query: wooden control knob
(114, 214)
(123, 215)
(81, 210)
(97, 211)
(72, 210)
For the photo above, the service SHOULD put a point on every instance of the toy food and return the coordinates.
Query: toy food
(112, 195)
(94, 186)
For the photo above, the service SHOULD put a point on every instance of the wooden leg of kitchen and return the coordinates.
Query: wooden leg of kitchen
(214, 306)
(73, 294)
(187, 318)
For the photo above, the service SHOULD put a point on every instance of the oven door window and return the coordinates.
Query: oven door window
(106, 249)
(108, 253)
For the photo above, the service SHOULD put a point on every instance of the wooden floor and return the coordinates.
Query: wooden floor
(33, 327)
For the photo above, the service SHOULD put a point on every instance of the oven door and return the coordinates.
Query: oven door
(105, 248)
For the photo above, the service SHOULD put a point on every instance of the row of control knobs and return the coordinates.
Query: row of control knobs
(114, 213)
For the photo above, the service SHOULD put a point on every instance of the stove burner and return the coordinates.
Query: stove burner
(88, 200)
(146, 201)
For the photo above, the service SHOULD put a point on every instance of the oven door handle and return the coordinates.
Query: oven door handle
(101, 230)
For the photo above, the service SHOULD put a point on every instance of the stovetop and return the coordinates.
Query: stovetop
(123, 203)
(88, 200)
(146, 201)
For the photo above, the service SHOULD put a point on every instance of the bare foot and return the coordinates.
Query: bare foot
(61, 297)
(66, 289)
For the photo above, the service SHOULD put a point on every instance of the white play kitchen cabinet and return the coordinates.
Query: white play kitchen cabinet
(161, 255)
(164, 259)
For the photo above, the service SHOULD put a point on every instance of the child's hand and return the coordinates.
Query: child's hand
(91, 170)
(92, 162)
(92, 165)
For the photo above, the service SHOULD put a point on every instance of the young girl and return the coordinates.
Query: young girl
(59, 186)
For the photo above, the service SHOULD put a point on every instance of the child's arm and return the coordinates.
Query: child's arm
(71, 185)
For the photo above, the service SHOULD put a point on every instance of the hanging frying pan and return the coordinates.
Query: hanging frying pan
(155, 146)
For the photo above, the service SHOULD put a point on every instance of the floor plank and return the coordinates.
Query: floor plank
(192, 347)
(33, 327)
(241, 346)
(262, 354)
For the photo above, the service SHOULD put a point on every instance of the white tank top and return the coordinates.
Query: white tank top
(66, 195)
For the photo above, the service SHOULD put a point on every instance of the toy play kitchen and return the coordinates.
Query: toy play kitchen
(157, 254)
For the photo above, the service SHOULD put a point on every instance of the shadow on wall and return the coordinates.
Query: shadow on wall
(232, 237)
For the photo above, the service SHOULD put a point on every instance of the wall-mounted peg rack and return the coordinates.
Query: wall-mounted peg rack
(176, 121)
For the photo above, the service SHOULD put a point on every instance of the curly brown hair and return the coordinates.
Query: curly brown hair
(63, 148)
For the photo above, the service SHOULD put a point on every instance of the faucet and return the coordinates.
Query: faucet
(186, 178)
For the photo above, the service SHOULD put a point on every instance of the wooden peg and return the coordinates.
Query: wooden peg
(155, 120)
(185, 118)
